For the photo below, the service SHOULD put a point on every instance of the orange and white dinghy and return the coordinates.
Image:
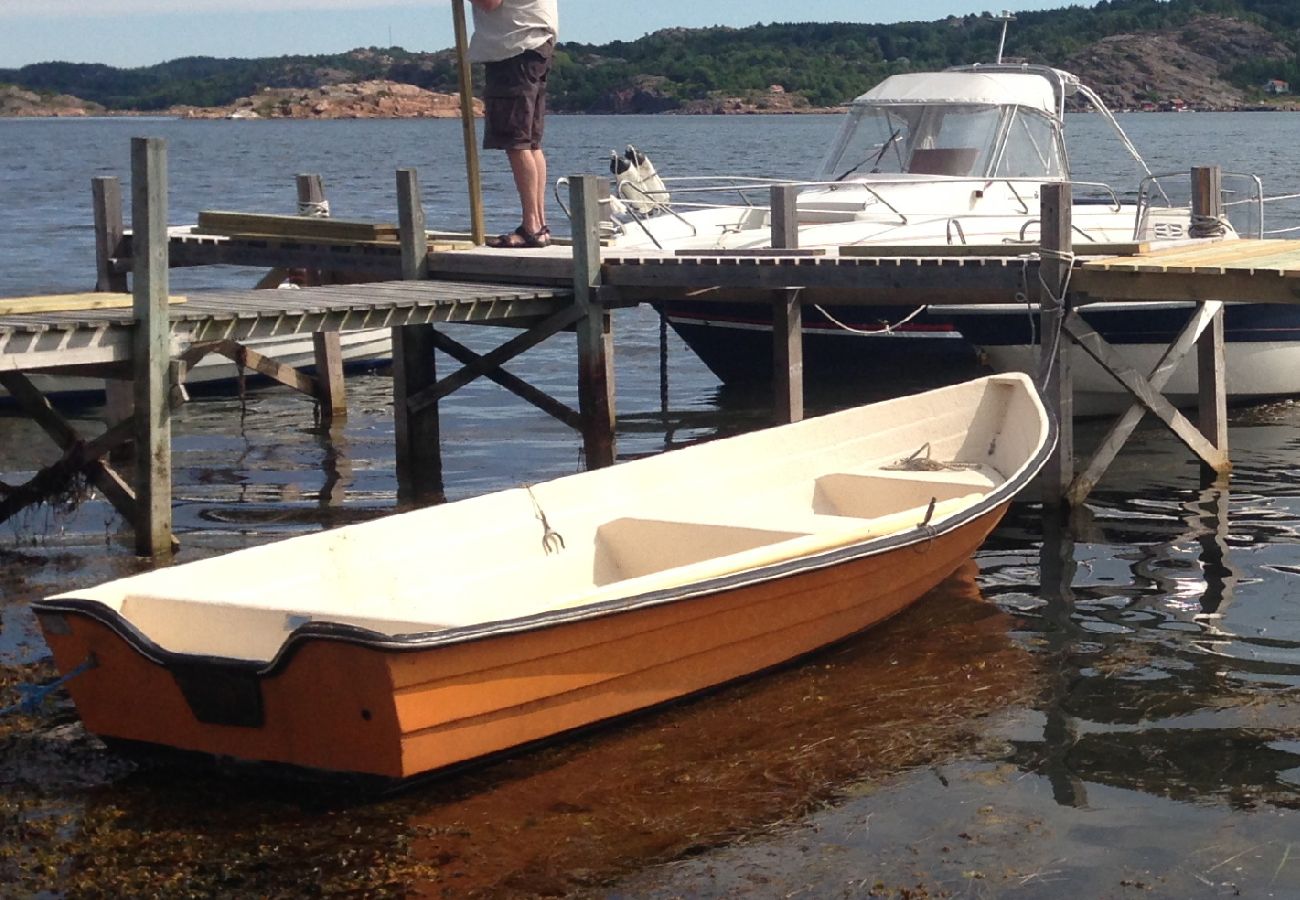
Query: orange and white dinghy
(433, 637)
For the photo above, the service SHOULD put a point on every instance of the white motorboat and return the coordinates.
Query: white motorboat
(935, 159)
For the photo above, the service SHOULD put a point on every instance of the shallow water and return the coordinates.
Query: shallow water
(1128, 728)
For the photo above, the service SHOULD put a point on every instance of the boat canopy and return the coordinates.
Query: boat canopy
(964, 88)
(952, 124)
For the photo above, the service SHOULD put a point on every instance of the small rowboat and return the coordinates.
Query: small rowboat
(429, 638)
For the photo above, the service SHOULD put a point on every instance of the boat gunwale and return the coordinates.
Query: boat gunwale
(427, 640)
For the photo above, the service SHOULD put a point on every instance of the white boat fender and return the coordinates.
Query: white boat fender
(621, 169)
(651, 184)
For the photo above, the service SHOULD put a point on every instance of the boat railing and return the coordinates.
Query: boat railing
(1242, 200)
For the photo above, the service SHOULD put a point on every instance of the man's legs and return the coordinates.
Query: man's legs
(528, 165)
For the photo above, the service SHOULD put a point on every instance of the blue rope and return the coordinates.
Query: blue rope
(34, 695)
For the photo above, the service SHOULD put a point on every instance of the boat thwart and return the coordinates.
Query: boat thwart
(426, 639)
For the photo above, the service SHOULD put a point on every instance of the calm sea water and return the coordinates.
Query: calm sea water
(1146, 739)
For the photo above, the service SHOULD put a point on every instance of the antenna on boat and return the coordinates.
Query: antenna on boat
(1006, 18)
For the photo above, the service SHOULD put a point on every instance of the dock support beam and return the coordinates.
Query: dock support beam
(787, 315)
(110, 228)
(595, 344)
(1211, 371)
(151, 348)
(1055, 378)
(416, 426)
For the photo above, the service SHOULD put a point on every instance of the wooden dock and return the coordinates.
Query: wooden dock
(405, 279)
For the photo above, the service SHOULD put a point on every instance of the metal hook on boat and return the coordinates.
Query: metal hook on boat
(552, 540)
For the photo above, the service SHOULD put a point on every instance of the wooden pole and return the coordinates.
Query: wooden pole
(419, 451)
(477, 233)
(106, 192)
(1211, 373)
(1055, 379)
(595, 344)
(787, 316)
(327, 347)
(151, 349)
(411, 226)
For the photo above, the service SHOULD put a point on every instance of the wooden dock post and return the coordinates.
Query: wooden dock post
(151, 348)
(417, 430)
(1055, 378)
(787, 315)
(327, 349)
(106, 192)
(1211, 377)
(595, 344)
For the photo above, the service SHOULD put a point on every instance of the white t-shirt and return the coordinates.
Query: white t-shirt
(512, 28)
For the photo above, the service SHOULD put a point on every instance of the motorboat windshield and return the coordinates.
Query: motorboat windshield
(972, 125)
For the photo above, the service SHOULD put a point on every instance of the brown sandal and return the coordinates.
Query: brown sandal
(520, 238)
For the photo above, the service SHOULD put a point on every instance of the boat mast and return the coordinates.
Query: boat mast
(1006, 18)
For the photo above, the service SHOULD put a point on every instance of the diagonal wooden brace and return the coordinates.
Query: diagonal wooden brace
(489, 365)
(1147, 392)
(251, 359)
(82, 454)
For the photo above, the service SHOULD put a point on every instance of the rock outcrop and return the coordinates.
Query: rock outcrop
(16, 101)
(362, 100)
(1183, 67)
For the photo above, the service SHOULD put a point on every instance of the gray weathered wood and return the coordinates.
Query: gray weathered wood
(595, 346)
(1119, 432)
(1055, 378)
(1211, 376)
(1207, 201)
(489, 365)
(787, 316)
(411, 226)
(106, 193)
(151, 348)
(1211, 382)
(1155, 402)
(416, 432)
(331, 393)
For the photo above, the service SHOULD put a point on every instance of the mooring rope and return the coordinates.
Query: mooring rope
(889, 327)
(33, 696)
(1051, 299)
(315, 209)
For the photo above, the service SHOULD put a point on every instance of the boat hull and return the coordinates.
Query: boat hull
(355, 706)
(735, 342)
(1261, 349)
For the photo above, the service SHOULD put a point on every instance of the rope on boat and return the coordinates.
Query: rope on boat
(33, 696)
(921, 461)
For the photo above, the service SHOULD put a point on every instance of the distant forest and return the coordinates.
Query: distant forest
(822, 63)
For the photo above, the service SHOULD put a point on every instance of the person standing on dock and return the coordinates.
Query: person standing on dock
(515, 39)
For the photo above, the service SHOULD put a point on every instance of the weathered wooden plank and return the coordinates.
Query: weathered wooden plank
(307, 228)
(48, 303)
(410, 215)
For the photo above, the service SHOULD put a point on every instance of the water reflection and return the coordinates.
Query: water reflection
(1156, 683)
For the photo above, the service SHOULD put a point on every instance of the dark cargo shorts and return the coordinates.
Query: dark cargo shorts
(515, 100)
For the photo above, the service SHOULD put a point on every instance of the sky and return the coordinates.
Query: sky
(128, 33)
